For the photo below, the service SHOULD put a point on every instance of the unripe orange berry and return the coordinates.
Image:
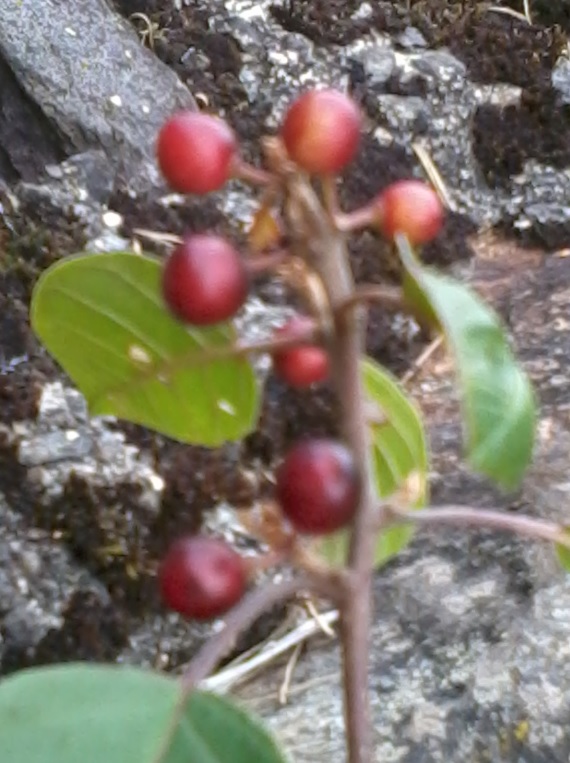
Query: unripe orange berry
(410, 207)
(321, 131)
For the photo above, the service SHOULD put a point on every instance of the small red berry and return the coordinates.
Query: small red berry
(321, 131)
(201, 577)
(196, 152)
(205, 280)
(410, 207)
(318, 486)
(302, 365)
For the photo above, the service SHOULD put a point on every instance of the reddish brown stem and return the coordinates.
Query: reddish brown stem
(263, 263)
(390, 298)
(319, 243)
(248, 173)
(357, 607)
(365, 217)
(242, 616)
(469, 516)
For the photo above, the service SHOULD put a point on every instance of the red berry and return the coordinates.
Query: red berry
(201, 577)
(205, 281)
(321, 131)
(303, 365)
(318, 486)
(410, 207)
(195, 152)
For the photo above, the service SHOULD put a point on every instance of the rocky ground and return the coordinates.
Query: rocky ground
(470, 658)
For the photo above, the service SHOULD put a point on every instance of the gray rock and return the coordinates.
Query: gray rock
(88, 72)
(405, 112)
(411, 38)
(56, 446)
(378, 60)
(60, 443)
(561, 79)
(37, 578)
(542, 203)
(78, 189)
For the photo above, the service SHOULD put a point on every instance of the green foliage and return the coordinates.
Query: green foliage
(498, 400)
(121, 715)
(399, 461)
(563, 552)
(103, 319)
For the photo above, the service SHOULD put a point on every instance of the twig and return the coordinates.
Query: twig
(330, 195)
(363, 217)
(469, 516)
(323, 246)
(262, 263)
(258, 601)
(390, 298)
(248, 173)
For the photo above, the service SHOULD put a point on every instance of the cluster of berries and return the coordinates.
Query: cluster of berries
(206, 281)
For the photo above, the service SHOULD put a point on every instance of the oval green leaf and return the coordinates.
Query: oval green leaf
(103, 319)
(399, 461)
(497, 396)
(109, 714)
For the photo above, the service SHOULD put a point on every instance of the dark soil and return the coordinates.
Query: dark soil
(494, 47)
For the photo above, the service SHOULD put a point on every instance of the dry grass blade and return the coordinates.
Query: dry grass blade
(286, 684)
(514, 14)
(434, 175)
(422, 359)
(316, 615)
(229, 677)
(157, 236)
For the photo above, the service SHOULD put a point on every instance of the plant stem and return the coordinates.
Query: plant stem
(242, 616)
(390, 298)
(322, 246)
(248, 173)
(470, 516)
(356, 611)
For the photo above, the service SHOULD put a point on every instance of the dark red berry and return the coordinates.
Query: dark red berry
(201, 577)
(321, 131)
(410, 207)
(302, 365)
(205, 280)
(318, 486)
(196, 152)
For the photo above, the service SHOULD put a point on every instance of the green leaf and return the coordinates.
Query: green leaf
(399, 461)
(103, 319)
(563, 551)
(109, 714)
(418, 304)
(498, 399)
